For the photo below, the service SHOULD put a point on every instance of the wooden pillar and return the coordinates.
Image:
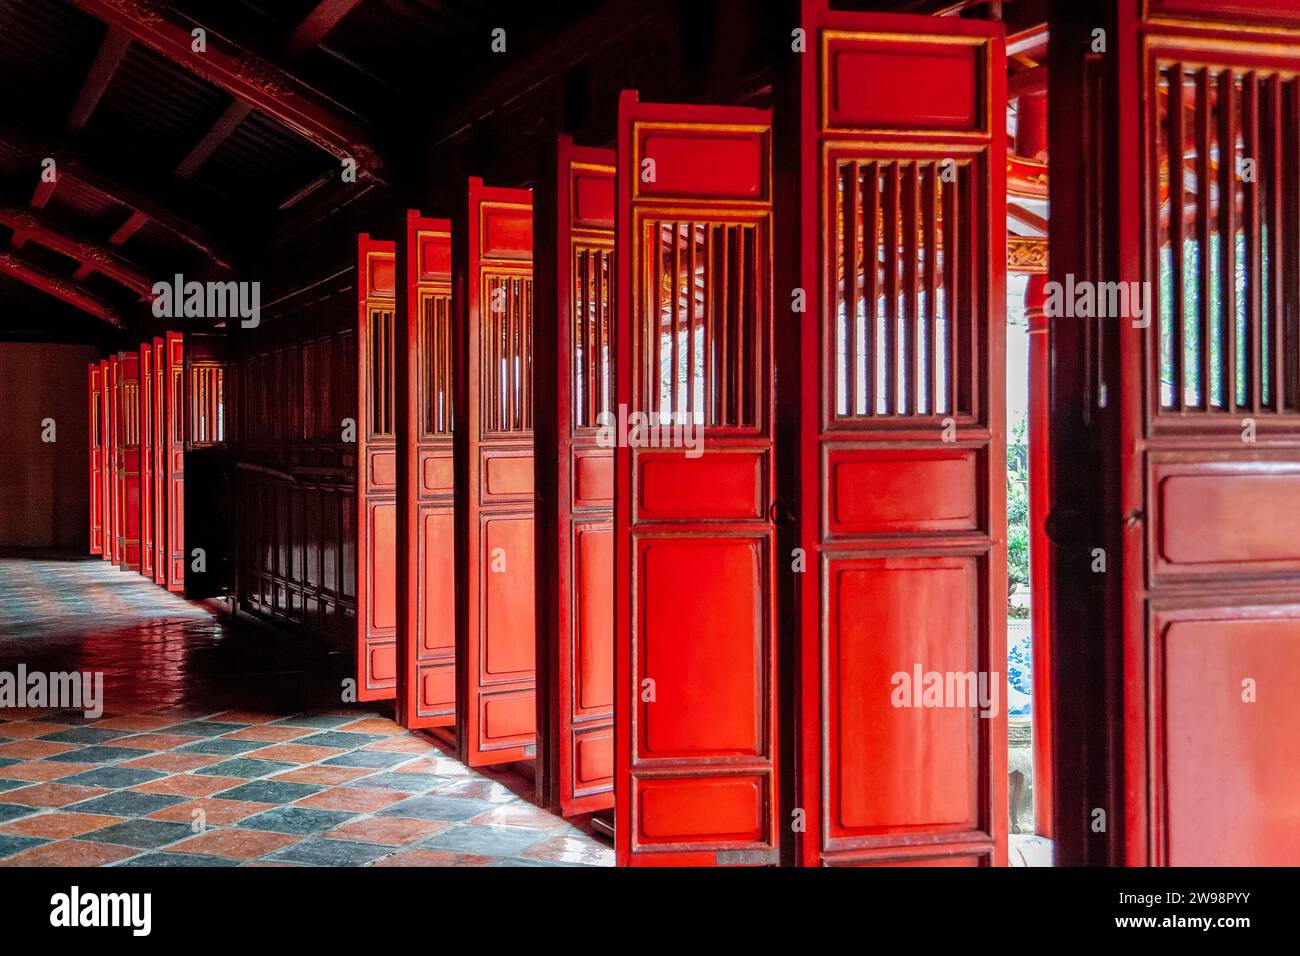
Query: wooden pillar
(1040, 611)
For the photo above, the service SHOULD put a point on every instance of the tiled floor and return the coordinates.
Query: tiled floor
(225, 745)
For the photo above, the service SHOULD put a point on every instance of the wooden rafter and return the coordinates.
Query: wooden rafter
(111, 50)
(93, 257)
(314, 27)
(69, 161)
(245, 76)
(68, 290)
(220, 131)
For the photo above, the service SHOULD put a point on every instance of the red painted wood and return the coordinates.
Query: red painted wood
(115, 440)
(426, 692)
(96, 459)
(146, 460)
(68, 290)
(107, 457)
(376, 471)
(575, 522)
(695, 645)
(495, 637)
(129, 372)
(94, 257)
(174, 349)
(902, 468)
(159, 494)
(1199, 420)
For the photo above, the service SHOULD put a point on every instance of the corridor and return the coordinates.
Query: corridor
(223, 744)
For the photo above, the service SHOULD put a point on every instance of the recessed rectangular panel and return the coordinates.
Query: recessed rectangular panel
(1230, 518)
(716, 485)
(901, 490)
(509, 718)
(381, 275)
(1253, 12)
(507, 232)
(382, 555)
(702, 163)
(593, 478)
(507, 475)
(904, 684)
(593, 606)
(889, 84)
(438, 591)
(435, 257)
(700, 613)
(593, 758)
(509, 647)
(383, 662)
(437, 686)
(1229, 736)
(436, 473)
(715, 809)
(383, 468)
(593, 199)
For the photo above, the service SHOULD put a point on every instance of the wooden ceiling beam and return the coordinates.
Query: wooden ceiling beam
(92, 256)
(69, 161)
(67, 290)
(111, 51)
(220, 131)
(245, 76)
(314, 27)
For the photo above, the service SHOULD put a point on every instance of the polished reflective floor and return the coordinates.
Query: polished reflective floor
(224, 743)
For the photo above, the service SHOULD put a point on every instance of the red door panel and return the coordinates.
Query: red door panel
(115, 454)
(426, 494)
(1200, 404)
(899, 150)
(495, 613)
(96, 462)
(575, 477)
(376, 472)
(129, 369)
(159, 494)
(695, 653)
(146, 460)
(106, 474)
(174, 353)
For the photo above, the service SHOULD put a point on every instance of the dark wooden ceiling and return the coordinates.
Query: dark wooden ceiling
(170, 160)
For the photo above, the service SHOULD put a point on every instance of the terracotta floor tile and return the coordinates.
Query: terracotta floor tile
(433, 858)
(175, 763)
(71, 853)
(569, 849)
(154, 741)
(374, 725)
(329, 776)
(42, 770)
(235, 843)
(520, 815)
(51, 795)
(216, 812)
(271, 734)
(189, 785)
(141, 723)
(344, 798)
(59, 826)
(34, 749)
(401, 743)
(298, 753)
(24, 729)
(386, 831)
(246, 717)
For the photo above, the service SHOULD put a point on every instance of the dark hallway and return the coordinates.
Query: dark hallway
(224, 743)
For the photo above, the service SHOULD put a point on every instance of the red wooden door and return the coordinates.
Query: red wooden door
(901, 252)
(376, 472)
(159, 493)
(575, 483)
(695, 653)
(426, 492)
(106, 457)
(129, 369)
(1189, 128)
(115, 455)
(146, 460)
(96, 463)
(175, 403)
(495, 637)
